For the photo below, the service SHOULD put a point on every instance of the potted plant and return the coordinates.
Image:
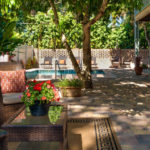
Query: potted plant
(144, 66)
(70, 88)
(138, 68)
(8, 40)
(37, 95)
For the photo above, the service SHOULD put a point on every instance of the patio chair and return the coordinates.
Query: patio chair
(62, 62)
(115, 62)
(47, 63)
(93, 63)
(10, 91)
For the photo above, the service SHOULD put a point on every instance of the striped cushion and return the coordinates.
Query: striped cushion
(12, 81)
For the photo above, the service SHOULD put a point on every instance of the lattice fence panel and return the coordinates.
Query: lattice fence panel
(101, 53)
(61, 52)
(144, 53)
(47, 53)
(127, 55)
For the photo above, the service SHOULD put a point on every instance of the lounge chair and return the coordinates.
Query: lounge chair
(115, 62)
(93, 63)
(62, 62)
(47, 63)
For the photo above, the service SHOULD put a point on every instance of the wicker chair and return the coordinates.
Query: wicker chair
(5, 66)
(3, 140)
(6, 110)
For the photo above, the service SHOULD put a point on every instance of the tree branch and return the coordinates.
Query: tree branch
(64, 40)
(56, 19)
(100, 14)
(71, 55)
(86, 16)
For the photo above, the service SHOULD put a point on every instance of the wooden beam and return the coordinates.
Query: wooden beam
(145, 12)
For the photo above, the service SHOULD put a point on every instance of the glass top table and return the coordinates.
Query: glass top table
(55, 116)
(22, 126)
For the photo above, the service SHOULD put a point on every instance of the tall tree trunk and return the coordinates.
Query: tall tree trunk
(87, 78)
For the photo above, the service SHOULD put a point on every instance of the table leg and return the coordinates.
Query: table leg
(4, 143)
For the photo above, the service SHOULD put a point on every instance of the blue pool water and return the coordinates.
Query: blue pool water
(34, 73)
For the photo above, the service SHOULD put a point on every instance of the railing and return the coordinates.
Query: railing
(57, 64)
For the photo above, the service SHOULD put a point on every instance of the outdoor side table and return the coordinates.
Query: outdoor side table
(24, 127)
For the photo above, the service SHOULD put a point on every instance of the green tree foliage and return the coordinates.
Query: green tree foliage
(121, 34)
(7, 5)
(43, 33)
(99, 34)
(8, 37)
(103, 33)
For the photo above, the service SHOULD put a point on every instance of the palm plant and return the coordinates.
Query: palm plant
(8, 40)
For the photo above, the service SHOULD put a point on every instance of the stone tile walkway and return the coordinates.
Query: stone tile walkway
(126, 99)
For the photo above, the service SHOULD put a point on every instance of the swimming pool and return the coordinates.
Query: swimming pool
(32, 74)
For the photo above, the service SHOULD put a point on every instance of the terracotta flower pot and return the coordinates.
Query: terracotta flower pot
(70, 92)
(138, 70)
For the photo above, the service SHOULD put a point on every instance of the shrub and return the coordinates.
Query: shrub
(144, 66)
(69, 83)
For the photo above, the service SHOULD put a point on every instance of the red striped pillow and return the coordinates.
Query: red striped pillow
(12, 81)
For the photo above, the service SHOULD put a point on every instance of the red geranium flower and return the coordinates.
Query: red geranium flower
(41, 91)
(48, 86)
(48, 82)
(28, 94)
(39, 84)
(27, 86)
(43, 98)
(34, 81)
(37, 88)
(52, 85)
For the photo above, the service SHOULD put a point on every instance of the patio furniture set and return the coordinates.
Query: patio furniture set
(16, 123)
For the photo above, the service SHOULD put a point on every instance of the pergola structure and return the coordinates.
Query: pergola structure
(142, 15)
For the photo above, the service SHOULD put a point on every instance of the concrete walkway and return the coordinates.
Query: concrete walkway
(126, 99)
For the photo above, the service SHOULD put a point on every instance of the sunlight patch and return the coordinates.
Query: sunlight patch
(133, 83)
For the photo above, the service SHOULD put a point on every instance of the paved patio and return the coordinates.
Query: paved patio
(126, 99)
